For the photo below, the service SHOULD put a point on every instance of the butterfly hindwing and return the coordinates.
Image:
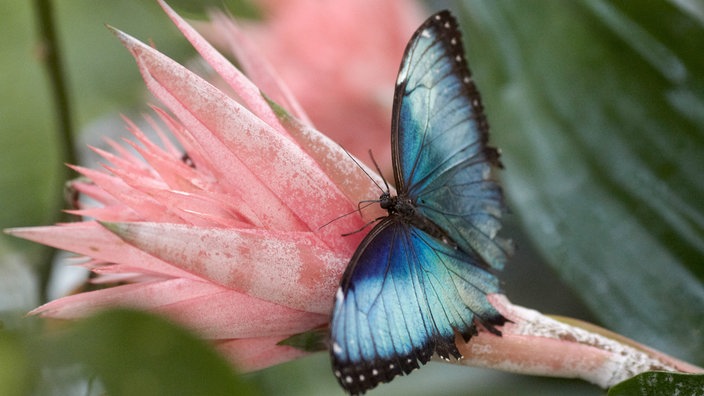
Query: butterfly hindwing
(402, 298)
(439, 141)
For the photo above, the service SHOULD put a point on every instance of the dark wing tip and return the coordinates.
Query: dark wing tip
(451, 34)
(359, 377)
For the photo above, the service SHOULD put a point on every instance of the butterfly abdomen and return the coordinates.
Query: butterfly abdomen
(407, 212)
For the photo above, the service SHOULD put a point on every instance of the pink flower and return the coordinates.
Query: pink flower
(233, 247)
(239, 242)
(339, 59)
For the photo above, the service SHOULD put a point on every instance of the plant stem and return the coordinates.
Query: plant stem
(53, 64)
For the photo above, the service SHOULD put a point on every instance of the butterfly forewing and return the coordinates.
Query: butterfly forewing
(439, 141)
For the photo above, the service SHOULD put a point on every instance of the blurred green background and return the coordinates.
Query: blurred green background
(598, 107)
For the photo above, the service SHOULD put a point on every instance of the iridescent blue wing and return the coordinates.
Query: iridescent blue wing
(439, 142)
(421, 276)
(402, 298)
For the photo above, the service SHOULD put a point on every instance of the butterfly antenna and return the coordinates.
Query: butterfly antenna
(362, 227)
(378, 170)
(359, 209)
(367, 173)
(362, 204)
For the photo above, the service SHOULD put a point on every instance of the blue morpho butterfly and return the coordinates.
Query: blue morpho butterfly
(422, 274)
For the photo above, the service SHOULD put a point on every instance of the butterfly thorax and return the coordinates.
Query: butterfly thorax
(399, 205)
(405, 209)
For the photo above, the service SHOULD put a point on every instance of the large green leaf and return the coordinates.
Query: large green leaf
(126, 353)
(660, 383)
(599, 109)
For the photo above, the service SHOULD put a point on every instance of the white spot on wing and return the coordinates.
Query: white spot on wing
(336, 348)
(425, 33)
(402, 74)
(339, 296)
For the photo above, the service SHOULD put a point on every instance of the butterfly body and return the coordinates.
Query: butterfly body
(404, 209)
(422, 274)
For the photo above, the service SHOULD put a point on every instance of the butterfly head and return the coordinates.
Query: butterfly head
(387, 202)
(399, 205)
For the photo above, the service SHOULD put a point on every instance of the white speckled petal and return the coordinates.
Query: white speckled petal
(293, 269)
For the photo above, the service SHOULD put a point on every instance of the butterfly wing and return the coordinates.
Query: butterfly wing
(439, 141)
(402, 298)
(407, 292)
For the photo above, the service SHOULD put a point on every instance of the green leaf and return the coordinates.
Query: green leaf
(16, 370)
(309, 341)
(29, 164)
(660, 383)
(134, 353)
(598, 107)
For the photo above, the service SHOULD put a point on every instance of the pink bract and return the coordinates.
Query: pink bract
(339, 60)
(241, 246)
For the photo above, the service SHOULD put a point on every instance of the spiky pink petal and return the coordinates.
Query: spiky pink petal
(532, 343)
(214, 312)
(93, 240)
(139, 202)
(85, 187)
(335, 83)
(354, 179)
(251, 354)
(290, 174)
(145, 295)
(294, 269)
(230, 314)
(258, 68)
(245, 89)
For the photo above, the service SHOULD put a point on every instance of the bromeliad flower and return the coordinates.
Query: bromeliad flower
(232, 246)
(238, 241)
(344, 88)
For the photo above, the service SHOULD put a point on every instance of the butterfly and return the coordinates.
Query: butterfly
(423, 273)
